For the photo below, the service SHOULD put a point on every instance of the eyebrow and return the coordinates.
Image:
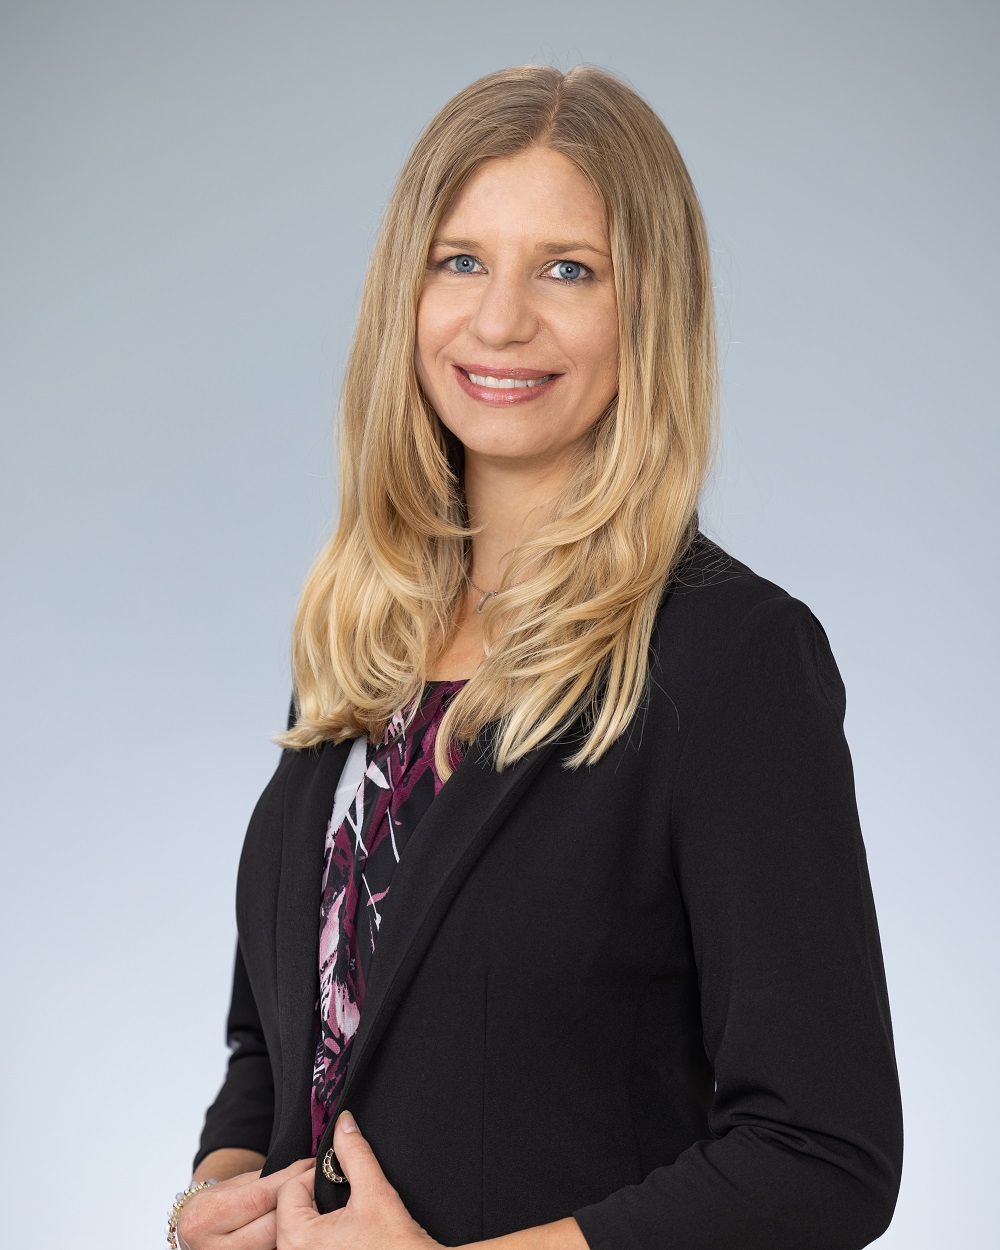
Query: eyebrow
(546, 249)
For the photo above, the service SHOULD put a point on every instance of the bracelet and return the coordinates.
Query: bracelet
(179, 1201)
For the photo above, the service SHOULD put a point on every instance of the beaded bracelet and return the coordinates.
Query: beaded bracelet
(179, 1201)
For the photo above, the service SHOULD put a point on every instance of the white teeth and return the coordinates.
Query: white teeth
(506, 383)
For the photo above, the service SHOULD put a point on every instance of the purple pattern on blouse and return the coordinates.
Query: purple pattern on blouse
(398, 786)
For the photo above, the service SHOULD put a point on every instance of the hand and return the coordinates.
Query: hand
(237, 1214)
(374, 1218)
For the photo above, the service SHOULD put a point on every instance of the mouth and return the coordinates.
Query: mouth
(503, 386)
(501, 383)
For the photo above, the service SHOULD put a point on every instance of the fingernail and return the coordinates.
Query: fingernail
(348, 1123)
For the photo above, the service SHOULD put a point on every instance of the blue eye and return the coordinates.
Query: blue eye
(462, 264)
(569, 270)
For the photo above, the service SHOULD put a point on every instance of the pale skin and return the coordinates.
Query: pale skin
(501, 290)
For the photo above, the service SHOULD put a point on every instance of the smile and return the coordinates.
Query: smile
(505, 386)
(486, 379)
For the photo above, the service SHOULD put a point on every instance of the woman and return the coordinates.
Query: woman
(627, 988)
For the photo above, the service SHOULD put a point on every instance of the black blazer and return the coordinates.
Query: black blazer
(648, 993)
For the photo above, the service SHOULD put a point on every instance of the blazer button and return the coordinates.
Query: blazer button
(331, 1165)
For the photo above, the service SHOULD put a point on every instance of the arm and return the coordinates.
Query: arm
(238, 1124)
(240, 1209)
(806, 1126)
(240, 1119)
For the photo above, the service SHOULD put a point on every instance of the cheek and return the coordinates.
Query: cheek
(435, 329)
(439, 312)
(427, 342)
(599, 347)
(610, 341)
(589, 326)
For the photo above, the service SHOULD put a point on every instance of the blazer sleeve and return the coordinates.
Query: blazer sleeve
(243, 1112)
(806, 1126)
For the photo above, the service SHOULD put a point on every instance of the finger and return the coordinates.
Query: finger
(293, 1169)
(357, 1159)
(244, 1178)
(231, 1182)
(309, 1178)
(200, 1227)
(260, 1234)
(297, 1195)
(231, 1207)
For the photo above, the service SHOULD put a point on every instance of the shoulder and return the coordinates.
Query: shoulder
(719, 620)
(710, 592)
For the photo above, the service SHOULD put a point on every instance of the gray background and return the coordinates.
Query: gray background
(190, 191)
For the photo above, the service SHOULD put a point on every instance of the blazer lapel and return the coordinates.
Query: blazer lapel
(441, 852)
(308, 807)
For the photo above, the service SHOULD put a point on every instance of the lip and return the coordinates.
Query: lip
(496, 371)
(503, 398)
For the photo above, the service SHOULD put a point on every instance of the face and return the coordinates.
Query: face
(517, 327)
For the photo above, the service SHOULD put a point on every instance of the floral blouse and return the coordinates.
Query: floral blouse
(398, 785)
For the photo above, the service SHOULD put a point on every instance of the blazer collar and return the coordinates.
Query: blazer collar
(439, 855)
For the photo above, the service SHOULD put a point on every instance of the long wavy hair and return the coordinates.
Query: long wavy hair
(569, 639)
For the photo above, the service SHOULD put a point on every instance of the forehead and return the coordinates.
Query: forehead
(537, 191)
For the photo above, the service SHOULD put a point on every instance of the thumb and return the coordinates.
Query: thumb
(357, 1159)
(296, 1196)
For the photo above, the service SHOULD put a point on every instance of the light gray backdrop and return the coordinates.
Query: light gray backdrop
(190, 191)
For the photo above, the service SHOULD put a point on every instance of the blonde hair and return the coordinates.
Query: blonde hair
(580, 597)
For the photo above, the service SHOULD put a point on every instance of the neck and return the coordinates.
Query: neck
(507, 503)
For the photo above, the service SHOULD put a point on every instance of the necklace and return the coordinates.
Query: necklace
(483, 594)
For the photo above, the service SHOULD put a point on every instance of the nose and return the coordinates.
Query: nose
(504, 313)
